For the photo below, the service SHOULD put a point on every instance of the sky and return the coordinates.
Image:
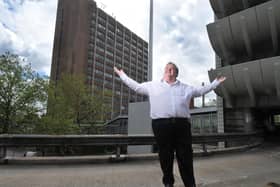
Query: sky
(180, 35)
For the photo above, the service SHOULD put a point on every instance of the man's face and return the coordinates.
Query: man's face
(170, 71)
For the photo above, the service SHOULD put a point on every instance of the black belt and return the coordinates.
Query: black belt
(172, 120)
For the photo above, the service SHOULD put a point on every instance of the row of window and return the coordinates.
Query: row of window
(100, 59)
(101, 26)
(119, 43)
(109, 75)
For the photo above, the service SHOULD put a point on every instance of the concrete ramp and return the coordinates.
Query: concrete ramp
(254, 83)
(224, 8)
(248, 35)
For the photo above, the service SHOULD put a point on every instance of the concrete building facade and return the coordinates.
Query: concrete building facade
(90, 42)
(245, 37)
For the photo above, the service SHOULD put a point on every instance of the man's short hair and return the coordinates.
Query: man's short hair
(272, 184)
(176, 68)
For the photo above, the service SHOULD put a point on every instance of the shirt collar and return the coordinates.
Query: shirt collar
(172, 84)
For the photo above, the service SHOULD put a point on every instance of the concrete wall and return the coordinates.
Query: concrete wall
(139, 122)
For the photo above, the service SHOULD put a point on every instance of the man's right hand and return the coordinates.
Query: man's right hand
(118, 71)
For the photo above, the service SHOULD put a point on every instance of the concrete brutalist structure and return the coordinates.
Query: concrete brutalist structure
(139, 122)
(245, 36)
(90, 42)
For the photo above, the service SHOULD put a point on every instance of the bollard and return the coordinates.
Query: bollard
(118, 152)
(3, 154)
(204, 148)
(117, 156)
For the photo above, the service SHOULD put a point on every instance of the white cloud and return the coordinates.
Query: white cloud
(27, 27)
(183, 35)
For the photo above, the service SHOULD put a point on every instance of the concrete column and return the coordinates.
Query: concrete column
(249, 120)
(220, 104)
(220, 109)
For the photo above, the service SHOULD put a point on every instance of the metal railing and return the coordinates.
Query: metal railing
(14, 140)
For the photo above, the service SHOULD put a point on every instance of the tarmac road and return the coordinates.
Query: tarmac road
(252, 168)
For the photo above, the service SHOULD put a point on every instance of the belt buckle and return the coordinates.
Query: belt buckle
(173, 120)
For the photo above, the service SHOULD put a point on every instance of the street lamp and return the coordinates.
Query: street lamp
(150, 60)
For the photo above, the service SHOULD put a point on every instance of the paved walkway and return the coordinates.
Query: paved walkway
(253, 168)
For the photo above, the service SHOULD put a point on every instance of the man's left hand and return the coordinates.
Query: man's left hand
(221, 79)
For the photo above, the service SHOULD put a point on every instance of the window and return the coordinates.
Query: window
(101, 26)
(109, 76)
(276, 119)
(99, 64)
(98, 72)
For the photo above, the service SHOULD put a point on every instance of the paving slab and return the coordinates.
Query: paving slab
(252, 168)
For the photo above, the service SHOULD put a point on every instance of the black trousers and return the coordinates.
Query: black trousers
(174, 135)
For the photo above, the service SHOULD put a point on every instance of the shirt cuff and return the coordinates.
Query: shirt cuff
(215, 83)
(123, 76)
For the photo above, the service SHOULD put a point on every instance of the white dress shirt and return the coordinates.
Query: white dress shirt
(168, 100)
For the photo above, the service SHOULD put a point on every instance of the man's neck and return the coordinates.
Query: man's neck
(170, 80)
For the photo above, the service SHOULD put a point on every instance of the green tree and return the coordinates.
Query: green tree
(22, 93)
(71, 104)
